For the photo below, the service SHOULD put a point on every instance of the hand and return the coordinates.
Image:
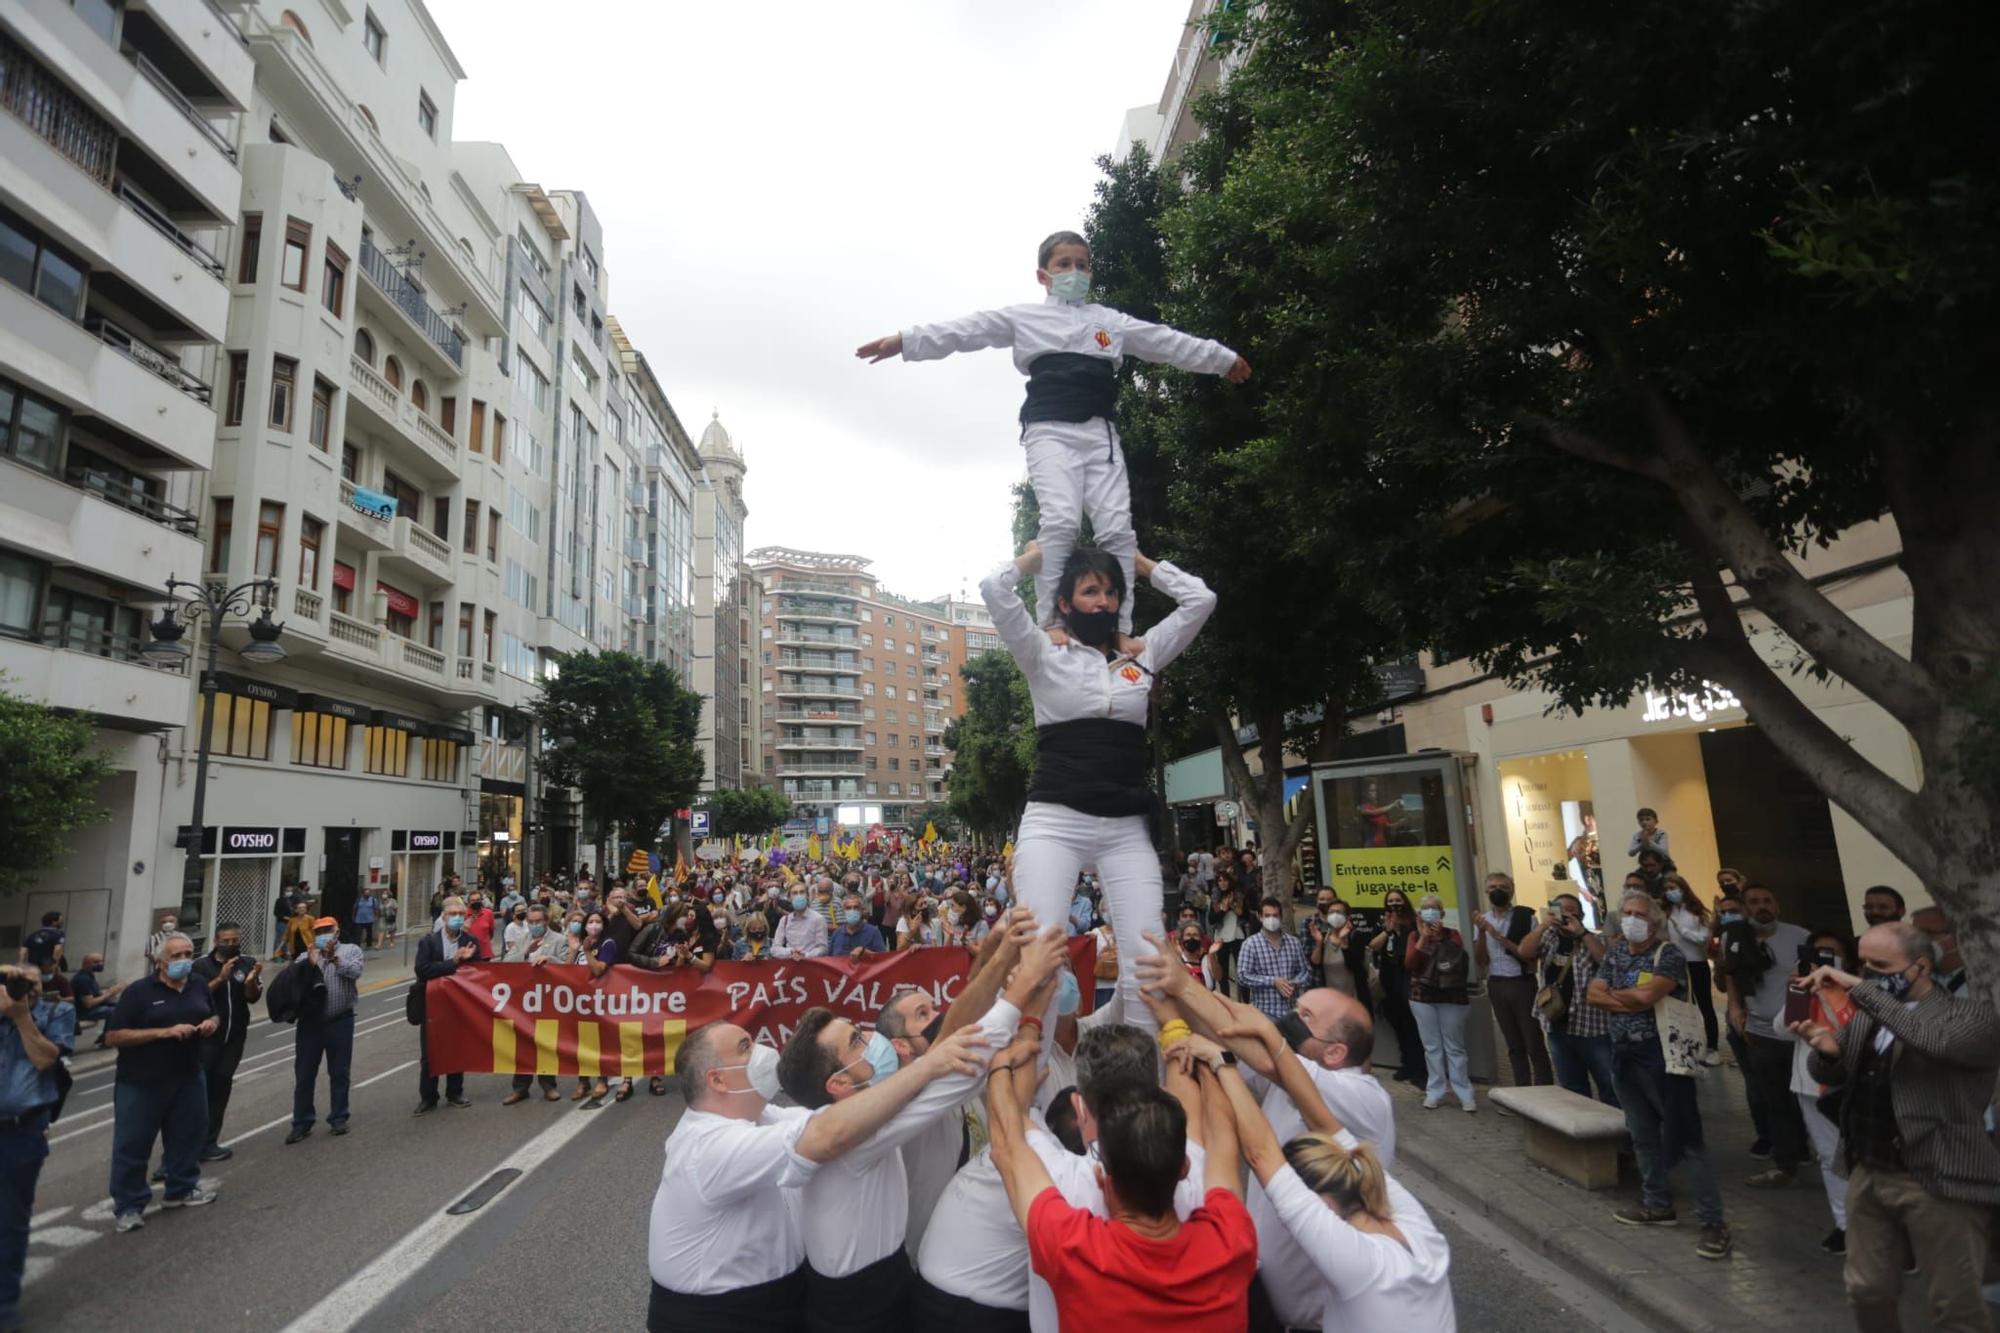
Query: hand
(181, 1031)
(1818, 1035)
(1313, 925)
(881, 349)
(963, 1052)
(1044, 954)
(1249, 1023)
(464, 953)
(25, 1006)
(1286, 988)
(857, 954)
(1143, 564)
(1433, 931)
(1158, 973)
(1237, 372)
(208, 1026)
(1738, 1018)
(1199, 1047)
(256, 966)
(1831, 978)
(1030, 559)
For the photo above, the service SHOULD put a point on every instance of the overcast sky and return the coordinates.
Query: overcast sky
(781, 182)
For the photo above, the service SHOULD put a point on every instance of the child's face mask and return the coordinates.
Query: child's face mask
(1072, 287)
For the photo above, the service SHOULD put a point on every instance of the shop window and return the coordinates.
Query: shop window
(440, 760)
(386, 750)
(319, 740)
(242, 726)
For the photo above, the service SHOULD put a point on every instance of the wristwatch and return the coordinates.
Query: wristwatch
(1220, 1059)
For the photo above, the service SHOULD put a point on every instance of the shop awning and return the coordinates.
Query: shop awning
(459, 735)
(400, 602)
(382, 717)
(343, 576)
(249, 687)
(326, 703)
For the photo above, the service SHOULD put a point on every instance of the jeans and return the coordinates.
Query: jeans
(1395, 1010)
(333, 1039)
(1053, 846)
(23, 1149)
(1514, 1010)
(141, 1112)
(218, 1070)
(1442, 1027)
(1078, 470)
(1583, 1060)
(1640, 1071)
(427, 1083)
(1770, 1069)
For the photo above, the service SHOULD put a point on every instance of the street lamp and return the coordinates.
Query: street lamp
(211, 602)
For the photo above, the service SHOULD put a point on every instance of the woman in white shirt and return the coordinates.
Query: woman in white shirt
(1688, 929)
(1384, 1262)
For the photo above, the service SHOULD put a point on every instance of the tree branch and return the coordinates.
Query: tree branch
(1582, 444)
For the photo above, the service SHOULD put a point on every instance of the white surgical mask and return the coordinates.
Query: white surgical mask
(1636, 928)
(1336, 920)
(763, 1073)
(1274, 924)
(1072, 287)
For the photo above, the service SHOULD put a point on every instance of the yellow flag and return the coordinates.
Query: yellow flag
(813, 848)
(930, 832)
(653, 890)
(1008, 850)
(680, 868)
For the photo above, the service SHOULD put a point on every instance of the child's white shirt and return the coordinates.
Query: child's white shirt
(1090, 330)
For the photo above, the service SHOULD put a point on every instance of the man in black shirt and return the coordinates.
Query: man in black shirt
(234, 984)
(44, 948)
(158, 1094)
(93, 1001)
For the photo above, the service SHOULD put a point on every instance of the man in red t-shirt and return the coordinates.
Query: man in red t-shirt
(1143, 1267)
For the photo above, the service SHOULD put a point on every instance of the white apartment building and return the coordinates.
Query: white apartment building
(118, 175)
(722, 672)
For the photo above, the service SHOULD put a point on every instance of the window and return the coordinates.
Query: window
(533, 382)
(578, 304)
(895, 788)
(333, 280)
(251, 246)
(493, 535)
(343, 587)
(441, 518)
(28, 262)
(311, 531)
(239, 376)
(465, 630)
(895, 741)
(242, 727)
(420, 396)
(20, 596)
(219, 529)
(427, 115)
(471, 538)
(392, 371)
(364, 346)
(319, 740)
(284, 381)
(409, 500)
(321, 424)
(373, 39)
(888, 644)
(270, 527)
(499, 438)
(298, 240)
(448, 415)
(492, 621)
(440, 760)
(386, 750)
(913, 742)
(350, 464)
(476, 441)
(31, 429)
(434, 638)
(530, 310)
(867, 738)
(870, 761)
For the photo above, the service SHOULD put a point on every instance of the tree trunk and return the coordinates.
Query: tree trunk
(1266, 793)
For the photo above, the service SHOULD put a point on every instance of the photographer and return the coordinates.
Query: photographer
(39, 1031)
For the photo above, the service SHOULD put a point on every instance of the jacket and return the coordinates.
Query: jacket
(1943, 1060)
(437, 957)
(1034, 330)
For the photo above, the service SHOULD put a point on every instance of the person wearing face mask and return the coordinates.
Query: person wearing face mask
(158, 1094)
(92, 998)
(1498, 939)
(538, 945)
(1579, 1033)
(235, 983)
(168, 926)
(328, 1033)
(755, 946)
(1830, 1008)
(1688, 930)
(1390, 946)
(1639, 970)
(1272, 964)
(1197, 959)
(439, 954)
(1337, 956)
(37, 1031)
(857, 935)
(1916, 1067)
(1732, 947)
(1756, 1013)
(1440, 970)
(1089, 801)
(802, 932)
(1070, 350)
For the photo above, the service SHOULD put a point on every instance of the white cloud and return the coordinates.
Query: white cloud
(781, 182)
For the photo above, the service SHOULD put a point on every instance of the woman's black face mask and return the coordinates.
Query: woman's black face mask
(1095, 628)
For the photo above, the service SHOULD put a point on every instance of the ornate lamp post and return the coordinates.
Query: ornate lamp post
(211, 602)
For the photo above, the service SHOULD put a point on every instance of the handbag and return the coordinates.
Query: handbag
(1678, 1025)
(1451, 966)
(1552, 1000)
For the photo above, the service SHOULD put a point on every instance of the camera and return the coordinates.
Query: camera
(18, 985)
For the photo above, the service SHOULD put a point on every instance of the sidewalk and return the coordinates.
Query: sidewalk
(1777, 1278)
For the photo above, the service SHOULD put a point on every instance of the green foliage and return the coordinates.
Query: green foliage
(993, 746)
(49, 779)
(621, 731)
(939, 815)
(751, 812)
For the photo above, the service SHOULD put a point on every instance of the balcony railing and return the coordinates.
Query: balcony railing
(45, 105)
(432, 545)
(116, 490)
(164, 225)
(816, 715)
(306, 604)
(348, 630)
(814, 587)
(76, 637)
(147, 357)
(798, 634)
(821, 791)
(407, 297)
(427, 660)
(833, 691)
(181, 104)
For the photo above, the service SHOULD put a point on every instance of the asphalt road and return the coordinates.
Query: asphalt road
(340, 1233)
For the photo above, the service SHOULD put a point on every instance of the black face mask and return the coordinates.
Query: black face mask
(1095, 628)
(1294, 1030)
(1498, 897)
(935, 1029)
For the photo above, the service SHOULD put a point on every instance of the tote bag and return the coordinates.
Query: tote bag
(1678, 1023)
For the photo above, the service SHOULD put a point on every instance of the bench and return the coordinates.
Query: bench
(1578, 1138)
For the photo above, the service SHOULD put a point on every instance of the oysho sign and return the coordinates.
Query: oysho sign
(426, 842)
(249, 841)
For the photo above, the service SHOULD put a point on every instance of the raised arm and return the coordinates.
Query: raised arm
(998, 953)
(968, 333)
(1021, 1171)
(1260, 1145)
(1193, 605)
(1219, 1118)
(1016, 627)
(838, 1128)
(1163, 978)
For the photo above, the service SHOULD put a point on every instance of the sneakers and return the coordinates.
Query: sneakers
(298, 1132)
(1712, 1059)
(1471, 1108)
(1715, 1243)
(1431, 1103)
(1761, 1150)
(1836, 1241)
(1777, 1178)
(337, 1128)
(458, 1101)
(1641, 1216)
(196, 1198)
(425, 1108)
(129, 1221)
(217, 1153)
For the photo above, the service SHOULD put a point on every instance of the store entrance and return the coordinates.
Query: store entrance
(1772, 824)
(340, 882)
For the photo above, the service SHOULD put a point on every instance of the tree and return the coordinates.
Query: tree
(50, 774)
(1634, 306)
(939, 815)
(621, 731)
(993, 746)
(750, 812)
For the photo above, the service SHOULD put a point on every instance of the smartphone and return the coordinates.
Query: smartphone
(1798, 1004)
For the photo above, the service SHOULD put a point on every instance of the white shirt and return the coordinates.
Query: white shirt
(930, 1160)
(1205, 867)
(1499, 962)
(1688, 933)
(721, 1221)
(974, 1248)
(1371, 1282)
(857, 1207)
(1363, 1107)
(516, 932)
(1034, 330)
(1075, 681)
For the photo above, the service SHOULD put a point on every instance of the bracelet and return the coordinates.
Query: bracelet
(1175, 1031)
(1030, 1019)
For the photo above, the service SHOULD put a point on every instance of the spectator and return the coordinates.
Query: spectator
(855, 936)
(756, 942)
(960, 914)
(1734, 950)
(326, 1031)
(1639, 970)
(1390, 946)
(1830, 1008)
(1757, 1012)
(1950, 967)
(1082, 915)
(1649, 836)
(39, 1030)
(53, 982)
(158, 1092)
(365, 908)
(1335, 950)
(1105, 972)
(1229, 923)
(479, 922)
(540, 946)
(1652, 871)
(234, 984)
(1197, 958)
(1272, 966)
(1917, 1067)
(823, 902)
(1580, 1032)
(1688, 930)
(602, 951)
(43, 948)
(515, 930)
(802, 933)
(92, 999)
(1440, 973)
(389, 917)
(1881, 903)
(439, 954)
(157, 941)
(1498, 938)
(1250, 873)
(282, 911)
(299, 929)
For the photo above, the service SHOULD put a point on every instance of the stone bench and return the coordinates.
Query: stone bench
(1578, 1138)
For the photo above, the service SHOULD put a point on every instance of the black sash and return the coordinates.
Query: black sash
(777, 1306)
(1095, 765)
(932, 1308)
(1070, 386)
(875, 1299)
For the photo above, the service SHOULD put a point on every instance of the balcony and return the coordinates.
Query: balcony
(819, 769)
(817, 715)
(819, 662)
(91, 521)
(400, 420)
(790, 633)
(393, 659)
(816, 690)
(404, 295)
(203, 36)
(813, 588)
(821, 791)
(933, 724)
(416, 555)
(829, 612)
(849, 742)
(98, 674)
(635, 550)
(307, 605)
(179, 102)
(936, 751)
(361, 531)
(932, 659)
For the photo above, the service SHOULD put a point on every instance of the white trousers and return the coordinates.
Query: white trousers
(1078, 468)
(1053, 847)
(1825, 1136)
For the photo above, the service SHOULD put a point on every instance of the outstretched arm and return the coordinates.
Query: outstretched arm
(1207, 1012)
(1021, 1171)
(928, 342)
(1166, 345)
(998, 953)
(839, 1127)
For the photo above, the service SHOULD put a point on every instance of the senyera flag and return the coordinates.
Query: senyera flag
(517, 1018)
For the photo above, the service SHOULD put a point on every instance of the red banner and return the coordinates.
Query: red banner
(516, 1018)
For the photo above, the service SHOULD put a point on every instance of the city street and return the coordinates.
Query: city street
(338, 1233)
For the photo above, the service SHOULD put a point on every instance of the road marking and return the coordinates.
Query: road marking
(352, 1301)
(63, 1238)
(286, 1119)
(43, 1219)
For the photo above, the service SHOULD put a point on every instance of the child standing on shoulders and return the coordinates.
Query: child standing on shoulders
(1650, 836)
(1070, 350)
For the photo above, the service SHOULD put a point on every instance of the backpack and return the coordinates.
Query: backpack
(296, 993)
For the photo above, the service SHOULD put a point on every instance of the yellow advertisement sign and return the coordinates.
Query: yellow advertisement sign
(1362, 875)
